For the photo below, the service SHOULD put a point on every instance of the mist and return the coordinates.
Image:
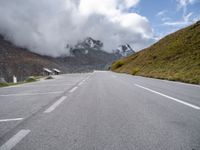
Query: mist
(47, 26)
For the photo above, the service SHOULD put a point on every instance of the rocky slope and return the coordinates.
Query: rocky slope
(125, 50)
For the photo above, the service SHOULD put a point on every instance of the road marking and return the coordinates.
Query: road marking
(49, 85)
(32, 94)
(56, 104)
(114, 76)
(14, 119)
(80, 83)
(37, 85)
(74, 89)
(14, 140)
(186, 84)
(99, 71)
(172, 98)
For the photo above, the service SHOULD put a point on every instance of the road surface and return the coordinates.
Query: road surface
(100, 111)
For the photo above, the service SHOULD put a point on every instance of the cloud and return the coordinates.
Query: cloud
(185, 21)
(184, 3)
(187, 17)
(47, 26)
(161, 13)
(176, 23)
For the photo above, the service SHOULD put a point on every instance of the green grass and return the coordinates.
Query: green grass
(49, 78)
(28, 80)
(135, 70)
(175, 57)
(4, 84)
(31, 79)
(10, 84)
(117, 64)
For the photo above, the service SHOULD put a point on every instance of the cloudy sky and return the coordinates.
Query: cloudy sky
(47, 26)
(169, 15)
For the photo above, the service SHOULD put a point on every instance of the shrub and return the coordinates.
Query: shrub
(3, 84)
(118, 64)
(135, 70)
(31, 79)
(49, 77)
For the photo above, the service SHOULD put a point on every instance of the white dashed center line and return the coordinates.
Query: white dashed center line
(15, 140)
(80, 83)
(14, 119)
(56, 104)
(74, 89)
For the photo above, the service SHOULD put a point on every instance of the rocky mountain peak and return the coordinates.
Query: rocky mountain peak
(90, 43)
(124, 50)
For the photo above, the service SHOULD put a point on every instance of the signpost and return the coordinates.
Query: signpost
(14, 79)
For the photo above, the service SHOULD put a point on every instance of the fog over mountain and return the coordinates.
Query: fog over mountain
(47, 26)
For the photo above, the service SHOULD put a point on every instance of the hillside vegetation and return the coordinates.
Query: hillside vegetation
(175, 57)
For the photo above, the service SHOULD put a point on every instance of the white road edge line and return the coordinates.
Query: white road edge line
(74, 89)
(32, 94)
(56, 104)
(172, 98)
(15, 140)
(14, 119)
(181, 83)
(34, 85)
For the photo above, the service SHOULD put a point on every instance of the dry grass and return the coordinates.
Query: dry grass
(175, 57)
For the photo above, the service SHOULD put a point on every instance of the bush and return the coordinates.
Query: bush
(31, 79)
(118, 64)
(3, 84)
(49, 77)
(135, 70)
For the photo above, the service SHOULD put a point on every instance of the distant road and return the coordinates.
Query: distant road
(100, 111)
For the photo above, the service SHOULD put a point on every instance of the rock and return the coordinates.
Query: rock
(2, 80)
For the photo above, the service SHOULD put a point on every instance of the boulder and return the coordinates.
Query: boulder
(2, 80)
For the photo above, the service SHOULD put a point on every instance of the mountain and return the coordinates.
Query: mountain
(124, 50)
(90, 43)
(86, 56)
(175, 57)
(23, 63)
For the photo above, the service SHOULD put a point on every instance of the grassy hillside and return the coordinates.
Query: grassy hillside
(175, 57)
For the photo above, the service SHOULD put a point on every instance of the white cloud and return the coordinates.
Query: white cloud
(176, 23)
(187, 17)
(185, 21)
(161, 13)
(46, 26)
(184, 3)
(131, 3)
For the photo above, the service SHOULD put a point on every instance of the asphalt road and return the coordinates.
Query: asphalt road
(100, 111)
